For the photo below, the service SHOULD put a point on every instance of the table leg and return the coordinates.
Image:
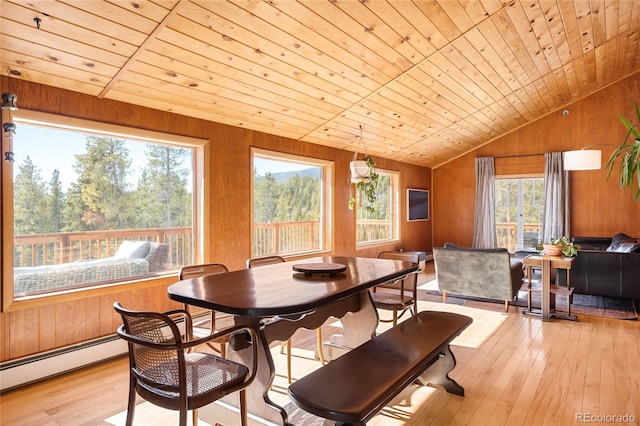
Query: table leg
(529, 274)
(545, 306)
(359, 319)
(358, 327)
(257, 397)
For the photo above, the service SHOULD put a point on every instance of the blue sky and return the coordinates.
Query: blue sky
(51, 149)
(56, 149)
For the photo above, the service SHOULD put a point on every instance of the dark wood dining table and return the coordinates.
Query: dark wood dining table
(276, 300)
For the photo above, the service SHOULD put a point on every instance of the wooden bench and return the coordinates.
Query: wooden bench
(354, 387)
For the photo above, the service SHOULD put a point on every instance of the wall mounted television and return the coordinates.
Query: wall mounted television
(417, 204)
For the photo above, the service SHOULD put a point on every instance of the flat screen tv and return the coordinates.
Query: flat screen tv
(417, 204)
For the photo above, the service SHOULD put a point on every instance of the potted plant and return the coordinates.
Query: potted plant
(365, 181)
(363, 175)
(559, 246)
(629, 154)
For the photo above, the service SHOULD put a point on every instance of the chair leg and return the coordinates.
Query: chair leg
(506, 306)
(395, 317)
(195, 417)
(444, 297)
(289, 360)
(243, 407)
(183, 417)
(132, 401)
(319, 345)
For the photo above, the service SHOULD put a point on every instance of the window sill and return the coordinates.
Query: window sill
(27, 302)
(376, 243)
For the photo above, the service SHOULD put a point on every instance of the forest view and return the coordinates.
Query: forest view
(101, 198)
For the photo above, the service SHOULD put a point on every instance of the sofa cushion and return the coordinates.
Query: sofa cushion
(35, 279)
(132, 250)
(592, 243)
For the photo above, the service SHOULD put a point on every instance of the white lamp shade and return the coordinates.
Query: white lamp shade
(584, 159)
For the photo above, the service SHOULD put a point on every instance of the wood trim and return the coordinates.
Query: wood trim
(87, 293)
(6, 216)
(37, 118)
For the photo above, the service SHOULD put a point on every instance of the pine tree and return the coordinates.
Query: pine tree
(30, 209)
(102, 173)
(162, 199)
(55, 203)
(29, 200)
(265, 198)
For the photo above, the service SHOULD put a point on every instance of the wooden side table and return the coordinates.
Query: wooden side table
(546, 263)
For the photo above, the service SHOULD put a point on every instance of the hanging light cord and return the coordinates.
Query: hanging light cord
(364, 147)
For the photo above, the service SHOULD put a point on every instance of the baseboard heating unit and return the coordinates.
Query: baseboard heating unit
(30, 369)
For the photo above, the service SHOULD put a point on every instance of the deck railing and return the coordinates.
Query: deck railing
(286, 237)
(269, 238)
(370, 231)
(67, 247)
(507, 234)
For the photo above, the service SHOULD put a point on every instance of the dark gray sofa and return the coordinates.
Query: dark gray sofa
(601, 268)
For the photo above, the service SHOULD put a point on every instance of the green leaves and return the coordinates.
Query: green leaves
(629, 155)
(367, 188)
(569, 249)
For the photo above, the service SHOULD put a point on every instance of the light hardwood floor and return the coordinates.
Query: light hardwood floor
(516, 370)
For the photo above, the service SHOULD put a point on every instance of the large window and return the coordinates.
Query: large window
(291, 204)
(378, 222)
(519, 212)
(92, 206)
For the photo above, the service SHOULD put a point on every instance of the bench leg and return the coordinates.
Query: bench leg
(438, 373)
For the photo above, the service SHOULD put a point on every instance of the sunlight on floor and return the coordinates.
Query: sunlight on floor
(485, 322)
(149, 414)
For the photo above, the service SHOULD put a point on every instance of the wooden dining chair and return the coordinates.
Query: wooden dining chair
(398, 295)
(269, 260)
(165, 370)
(207, 322)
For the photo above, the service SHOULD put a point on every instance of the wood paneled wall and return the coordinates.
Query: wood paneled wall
(227, 201)
(598, 206)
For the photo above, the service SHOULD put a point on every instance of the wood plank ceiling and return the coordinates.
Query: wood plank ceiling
(427, 80)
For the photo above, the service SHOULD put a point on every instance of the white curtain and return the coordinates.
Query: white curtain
(556, 197)
(484, 221)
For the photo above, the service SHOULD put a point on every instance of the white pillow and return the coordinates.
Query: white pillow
(628, 248)
(132, 250)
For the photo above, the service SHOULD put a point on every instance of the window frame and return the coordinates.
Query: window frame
(60, 122)
(326, 213)
(395, 222)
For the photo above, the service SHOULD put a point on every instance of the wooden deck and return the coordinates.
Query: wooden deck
(516, 370)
